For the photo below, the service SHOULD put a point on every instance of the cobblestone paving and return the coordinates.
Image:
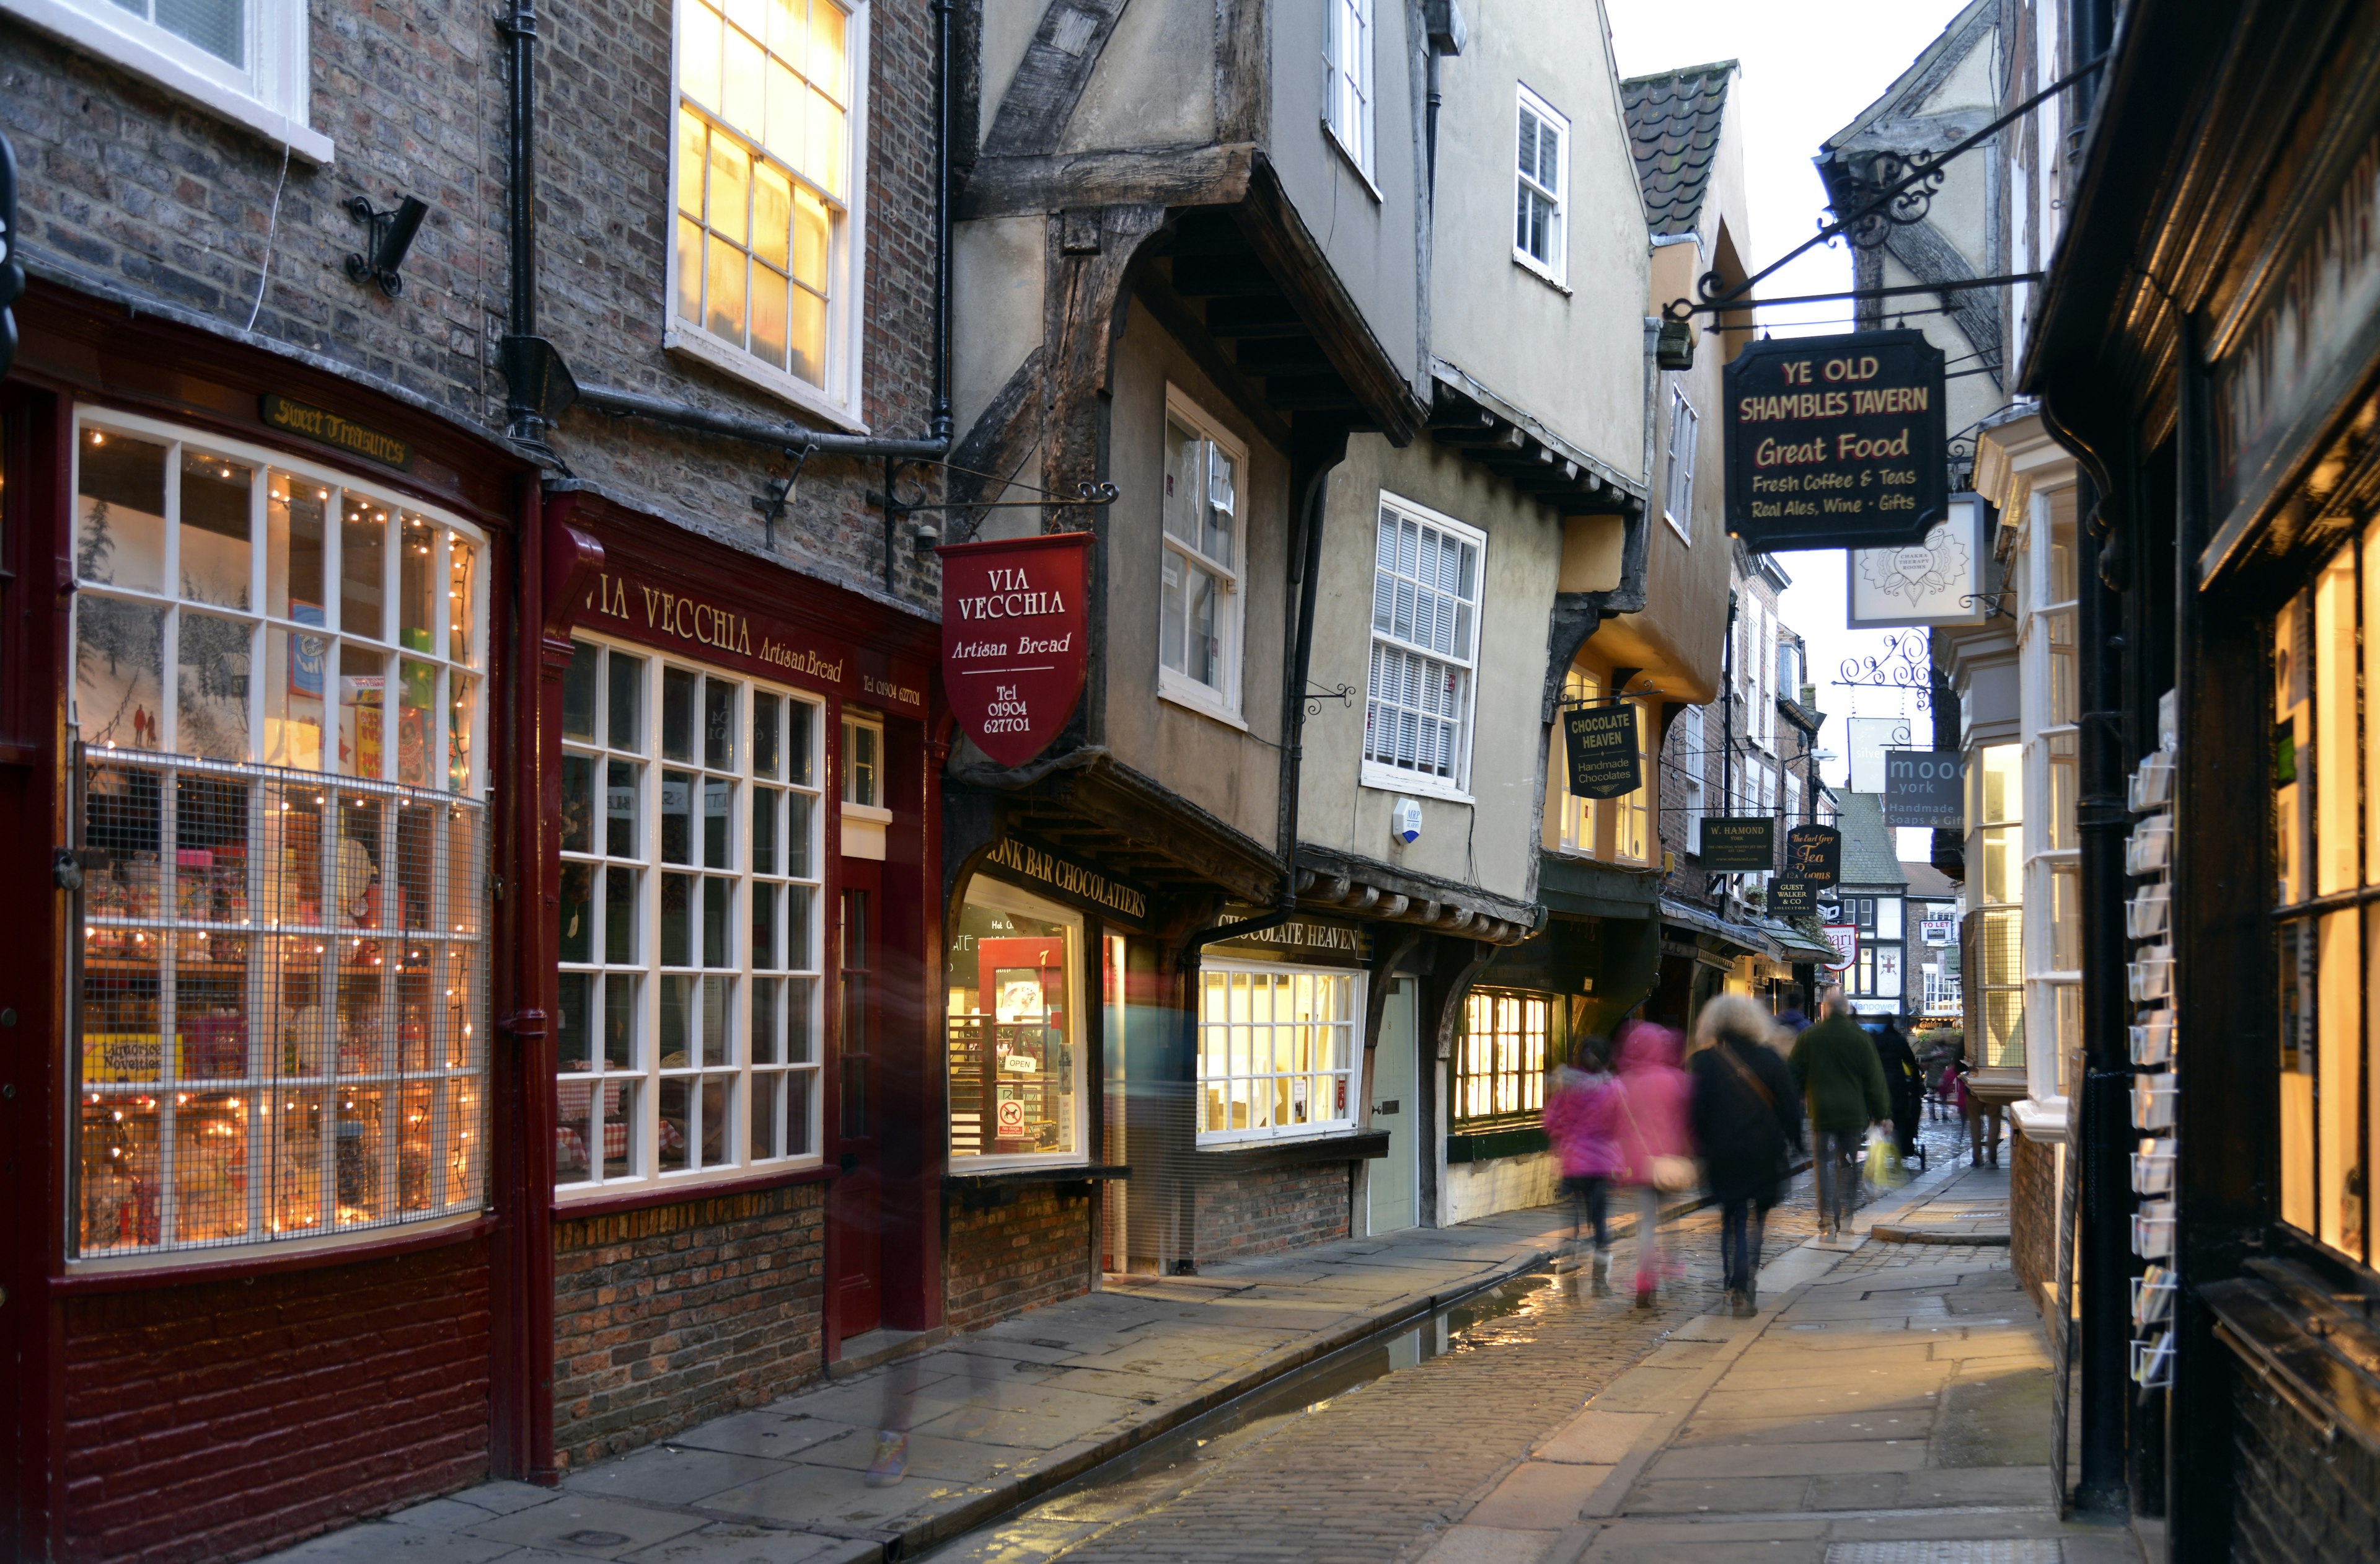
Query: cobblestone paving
(1375, 1472)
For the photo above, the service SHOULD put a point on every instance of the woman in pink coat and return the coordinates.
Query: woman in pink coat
(1644, 1117)
(1584, 1156)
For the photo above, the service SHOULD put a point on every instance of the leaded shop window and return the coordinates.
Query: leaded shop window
(766, 167)
(2326, 812)
(1509, 1038)
(1278, 1054)
(687, 934)
(1013, 1029)
(281, 995)
(1426, 584)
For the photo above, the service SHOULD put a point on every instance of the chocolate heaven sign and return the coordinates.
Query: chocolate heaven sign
(1835, 442)
(1013, 651)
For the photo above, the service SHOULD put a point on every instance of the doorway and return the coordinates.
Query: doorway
(856, 1208)
(1395, 1182)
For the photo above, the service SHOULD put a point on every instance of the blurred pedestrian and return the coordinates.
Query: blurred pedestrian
(1835, 1068)
(1791, 1021)
(1905, 1083)
(1747, 1122)
(1982, 1119)
(1585, 1157)
(1645, 1115)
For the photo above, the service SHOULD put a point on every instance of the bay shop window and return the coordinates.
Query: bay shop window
(1278, 1052)
(281, 986)
(1013, 1030)
(689, 930)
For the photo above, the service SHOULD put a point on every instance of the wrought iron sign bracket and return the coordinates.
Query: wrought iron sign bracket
(1316, 695)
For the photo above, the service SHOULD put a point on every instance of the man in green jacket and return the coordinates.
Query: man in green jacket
(1835, 1066)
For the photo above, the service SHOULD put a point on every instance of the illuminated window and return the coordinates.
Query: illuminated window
(282, 981)
(1499, 1063)
(1013, 1029)
(863, 762)
(766, 166)
(1278, 1054)
(687, 934)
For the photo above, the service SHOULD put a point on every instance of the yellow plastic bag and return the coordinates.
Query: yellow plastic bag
(1883, 1170)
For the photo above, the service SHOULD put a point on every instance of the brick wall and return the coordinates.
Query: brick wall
(1264, 1213)
(2295, 1500)
(2032, 1213)
(665, 1316)
(1027, 1251)
(222, 1420)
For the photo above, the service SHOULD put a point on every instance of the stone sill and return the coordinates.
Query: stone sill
(2293, 1331)
(1254, 1157)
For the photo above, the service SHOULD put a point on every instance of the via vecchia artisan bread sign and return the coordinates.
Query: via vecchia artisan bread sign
(1835, 442)
(1013, 633)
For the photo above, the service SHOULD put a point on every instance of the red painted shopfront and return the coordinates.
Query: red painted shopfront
(436, 900)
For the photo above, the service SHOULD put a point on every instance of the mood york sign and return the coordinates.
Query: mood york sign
(1013, 651)
(1835, 442)
(1925, 788)
(1601, 741)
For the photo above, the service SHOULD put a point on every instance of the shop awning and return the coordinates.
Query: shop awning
(1794, 945)
(1743, 936)
(1582, 888)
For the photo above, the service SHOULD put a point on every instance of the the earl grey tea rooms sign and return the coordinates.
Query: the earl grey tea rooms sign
(1835, 442)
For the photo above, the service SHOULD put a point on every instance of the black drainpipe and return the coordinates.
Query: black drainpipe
(527, 414)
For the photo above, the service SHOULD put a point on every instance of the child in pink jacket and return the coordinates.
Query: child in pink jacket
(1584, 1156)
(1645, 1116)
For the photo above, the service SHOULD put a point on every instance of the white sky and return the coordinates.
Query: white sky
(1809, 66)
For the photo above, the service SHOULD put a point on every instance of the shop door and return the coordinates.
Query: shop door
(858, 1204)
(1396, 1178)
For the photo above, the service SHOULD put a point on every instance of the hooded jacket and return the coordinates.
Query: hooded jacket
(1644, 1114)
(1581, 1152)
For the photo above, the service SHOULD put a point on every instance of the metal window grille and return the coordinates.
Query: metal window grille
(688, 932)
(1425, 599)
(283, 1004)
(1277, 1052)
(1499, 1072)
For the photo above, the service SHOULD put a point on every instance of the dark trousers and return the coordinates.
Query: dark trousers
(1590, 1202)
(1742, 1226)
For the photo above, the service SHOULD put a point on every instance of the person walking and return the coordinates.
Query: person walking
(1835, 1068)
(1644, 1114)
(1905, 1083)
(1746, 1119)
(1586, 1158)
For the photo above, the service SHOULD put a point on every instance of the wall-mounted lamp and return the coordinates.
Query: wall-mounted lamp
(392, 236)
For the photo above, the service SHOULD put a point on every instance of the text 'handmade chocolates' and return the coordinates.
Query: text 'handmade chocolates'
(1013, 641)
(1835, 442)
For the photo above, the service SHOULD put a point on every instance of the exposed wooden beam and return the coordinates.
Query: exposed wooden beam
(1209, 276)
(1274, 356)
(1013, 186)
(1253, 318)
(1294, 392)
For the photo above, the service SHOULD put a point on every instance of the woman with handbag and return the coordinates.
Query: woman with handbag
(1747, 1120)
(1644, 1115)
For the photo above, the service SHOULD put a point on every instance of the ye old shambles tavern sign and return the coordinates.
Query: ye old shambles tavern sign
(1835, 442)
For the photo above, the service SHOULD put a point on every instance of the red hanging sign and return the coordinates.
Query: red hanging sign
(1013, 639)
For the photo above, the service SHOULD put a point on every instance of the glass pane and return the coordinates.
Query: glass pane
(772, 215)
(689, 260)
(788, 111)
(813, 231)
(215, 551)
(801, 723)
(577, 803)
(718, 725)
(723, 278)
(743, 86)
(576, 921)
(768, 722)
(677, 923)
(801, 1021)
(691, 152)
(801, 1091)
(764, 829)
(417, 610)
(825, 66)
(764, 926)
(718, 1121)
(578, 692)
(293, 692)
(801, 955)
(677, 818)
(697, 53)
(573, 1025)
(362, 672)
(417, 694)
(769, 333)
(620, 915)
(767, 1033)
(462, 710)
(716, 937)
(120, 517)
(765, 1092)
(363, 567)
(464, 1168)
(718, 798)
(216, 26)
(294, 522)
(2338, 1090)
(677, 714)
(622, 1023)
(680, 996)
(120, 673)
(677, 1127)
(625, 730)
(211, 710)
(2337, 825)
(717, 1039)
(620, 789)
(806, 336)
(462, 600)
(824, 152)
(798, 834)
(121, 1208)
(361, 1146)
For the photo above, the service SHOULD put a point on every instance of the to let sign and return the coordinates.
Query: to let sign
(1835, 442)
(1739, 844)
(1601, 743)
(1814, 853)
(1925, 788)
(1014, 649)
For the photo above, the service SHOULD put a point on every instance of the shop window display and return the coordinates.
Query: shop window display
(1500, 1065)
(688, 933)
(1277, 1052)
(283, 974)
(1014, 1027)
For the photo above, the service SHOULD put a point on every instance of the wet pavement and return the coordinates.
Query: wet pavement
(1439, 1394)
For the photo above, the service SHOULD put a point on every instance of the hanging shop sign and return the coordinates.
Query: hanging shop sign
(1790, 895)
(1013, 639)
(1835, 442)
(1302, 941)
(321, 425)
(1069, 879)
(1601, 743)
(1925, 788)
(1937, 580)
(1814, 853)
(1844, 938)
(1739, 844)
